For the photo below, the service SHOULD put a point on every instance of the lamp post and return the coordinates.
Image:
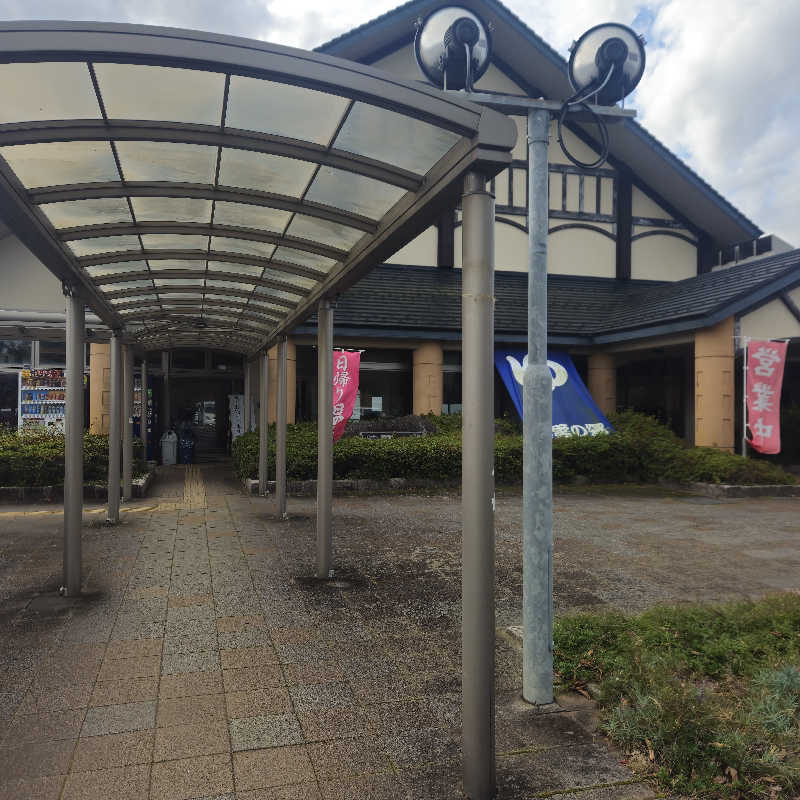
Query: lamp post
(453, 49)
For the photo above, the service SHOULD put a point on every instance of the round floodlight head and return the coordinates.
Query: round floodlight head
(453, 47)
(607, 48)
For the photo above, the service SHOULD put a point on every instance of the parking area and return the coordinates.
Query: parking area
(204, 660)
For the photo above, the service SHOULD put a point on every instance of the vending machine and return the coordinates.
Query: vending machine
(42, 399)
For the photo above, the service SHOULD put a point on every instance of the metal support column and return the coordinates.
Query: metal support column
(73, 443)
(143, 432)
(263, 424)
(537, 420)
(477, 488)
(127, 422)
(280, 430)
(115, 430)
(166, 413)
(246, 395)
(324, 437)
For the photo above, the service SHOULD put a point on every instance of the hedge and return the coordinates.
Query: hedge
(36, 458)
(640, 450)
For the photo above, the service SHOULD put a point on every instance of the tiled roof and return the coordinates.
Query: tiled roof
(411, 298)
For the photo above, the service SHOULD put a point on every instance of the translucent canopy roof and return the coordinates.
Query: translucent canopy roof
(199, 189)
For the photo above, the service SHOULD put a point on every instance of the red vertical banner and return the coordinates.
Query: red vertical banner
(765, 361)
(345, 388)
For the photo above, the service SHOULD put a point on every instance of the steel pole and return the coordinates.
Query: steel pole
(246, 395)
(477, 488)
(280, 430)
(73, 443)
(115, 430)
(745, 342)
(143, 432)
(537, 421)
(127, 422)
(263, 423)
(324, 437)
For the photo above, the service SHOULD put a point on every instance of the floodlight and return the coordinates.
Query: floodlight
(606, 63)
(453, 47)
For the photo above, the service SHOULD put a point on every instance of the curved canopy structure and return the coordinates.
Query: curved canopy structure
(209, 191)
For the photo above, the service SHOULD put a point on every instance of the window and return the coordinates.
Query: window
(52, 354)
(16, 352)
(451, 382)
(189, 359)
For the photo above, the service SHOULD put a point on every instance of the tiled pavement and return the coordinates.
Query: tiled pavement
(205, 662)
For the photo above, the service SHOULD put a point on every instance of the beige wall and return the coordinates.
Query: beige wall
(420, 251)
(99, 387)
(644, 206)
(578, 251)
(662, 258)
(714, 386)
(428, 383)
(772, 321)
(291, 383)
(603, 381)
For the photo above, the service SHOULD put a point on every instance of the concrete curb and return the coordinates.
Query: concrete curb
(55, 494)
(343, 486)
(729, 490)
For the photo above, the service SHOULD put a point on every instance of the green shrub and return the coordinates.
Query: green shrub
(715, 466)
(36, 458)
(640, 449)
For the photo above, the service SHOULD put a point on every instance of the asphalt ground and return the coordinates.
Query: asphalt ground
(204, 660)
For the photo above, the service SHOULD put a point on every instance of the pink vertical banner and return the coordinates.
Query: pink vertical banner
(345, 388)
(765, 361)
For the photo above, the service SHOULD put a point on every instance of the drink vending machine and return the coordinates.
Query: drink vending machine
(42, 399)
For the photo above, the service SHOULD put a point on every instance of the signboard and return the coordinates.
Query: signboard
(236, 406)
(574, 411)
(345, 388)
(765, 361)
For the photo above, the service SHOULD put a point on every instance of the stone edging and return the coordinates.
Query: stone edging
(309, 488)
(343, 486)
(729, 490)
(55, 494)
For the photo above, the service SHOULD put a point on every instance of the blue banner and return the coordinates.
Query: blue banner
(574, 411)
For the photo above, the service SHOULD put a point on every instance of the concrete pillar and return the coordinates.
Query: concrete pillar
(166, 411)
(428, 382)
(603, 382)
(99, 387)
(291, 382)
(714, 386)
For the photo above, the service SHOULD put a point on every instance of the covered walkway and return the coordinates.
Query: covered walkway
(203, 660)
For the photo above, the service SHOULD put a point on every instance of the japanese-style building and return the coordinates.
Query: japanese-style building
(655, 280)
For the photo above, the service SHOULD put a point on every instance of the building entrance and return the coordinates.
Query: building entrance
(201, 406)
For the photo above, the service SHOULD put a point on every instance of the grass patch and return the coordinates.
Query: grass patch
(705, 698)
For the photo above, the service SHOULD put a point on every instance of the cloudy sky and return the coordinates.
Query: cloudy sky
(720, 88)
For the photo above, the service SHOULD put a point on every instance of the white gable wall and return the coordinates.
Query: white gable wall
(586, 203)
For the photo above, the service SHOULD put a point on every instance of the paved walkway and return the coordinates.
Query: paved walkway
(205, 662)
